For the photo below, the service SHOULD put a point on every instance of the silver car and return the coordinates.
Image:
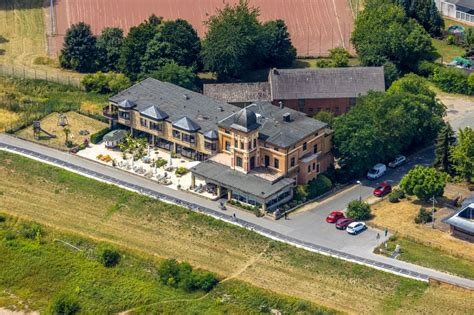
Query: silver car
(399, 160)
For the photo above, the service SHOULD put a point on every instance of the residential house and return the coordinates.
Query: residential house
(462, 222)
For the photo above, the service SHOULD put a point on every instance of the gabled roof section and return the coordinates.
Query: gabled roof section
(127, 104)
(322, 83)
(186, 124)
(211, 134)
(154, 112)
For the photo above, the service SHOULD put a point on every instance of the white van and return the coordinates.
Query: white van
(377, 171)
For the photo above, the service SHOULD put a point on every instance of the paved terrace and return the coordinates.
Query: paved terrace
(289, 231)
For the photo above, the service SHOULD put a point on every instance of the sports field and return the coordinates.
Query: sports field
(315, 25)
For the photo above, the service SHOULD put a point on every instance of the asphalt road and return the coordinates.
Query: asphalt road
(305, 230)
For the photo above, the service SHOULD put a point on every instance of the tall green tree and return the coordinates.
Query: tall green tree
(462, 154)
(444, 142)
(176, 74)
(135, 45)
(280, 52)
(79, 51)
(383, 33)
(326, 117)
(231, 44)
(109, 45)
(424, 182)
(424, 12)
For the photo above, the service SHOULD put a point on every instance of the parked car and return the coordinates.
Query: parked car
(382, 190)
(399, 160)
(334, 216)
(342, 223)
(377, 171)
(356, 227)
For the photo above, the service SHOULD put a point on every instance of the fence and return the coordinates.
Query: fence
(24, 72)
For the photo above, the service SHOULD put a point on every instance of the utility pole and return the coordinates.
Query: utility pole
(433, 199)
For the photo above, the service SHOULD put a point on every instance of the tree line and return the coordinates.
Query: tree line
(172, 50)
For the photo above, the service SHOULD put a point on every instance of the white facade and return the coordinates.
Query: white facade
(449, 9)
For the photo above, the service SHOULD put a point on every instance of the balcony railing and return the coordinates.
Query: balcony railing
(110, 114)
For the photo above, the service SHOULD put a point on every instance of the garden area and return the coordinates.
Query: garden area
(79, 128)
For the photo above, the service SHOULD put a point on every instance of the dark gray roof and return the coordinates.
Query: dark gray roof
(186, 124)
(115, 135)
(177, 102)
(274, 129)
(239, 92)
(467, 202)
(463, 219)
(464, 5)
(247, 183)
(325, 82)
(211, 134)
(245, 120)
(127, 104)
(154, 112)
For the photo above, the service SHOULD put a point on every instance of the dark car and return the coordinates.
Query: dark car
(334, 216)
(341, 224)
(382, 190)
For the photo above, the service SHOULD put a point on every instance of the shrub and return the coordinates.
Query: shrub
(64, 305)
(168, 269)
(160, 162)
(396, 195)
(180, 171)
(424, 182)
(181, 275)
(425, 68)
(2, 218)
(451, 80)
(31, 231)
(451, 39)
(97, 137)
(423, 216)
(104, 83)
(358, 210)
(204, 280)
(108, 256)
(318, 186)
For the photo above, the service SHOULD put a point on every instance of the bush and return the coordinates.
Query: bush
(451, 80)
(182, 275)
(204, 280)
(31, 231)
(97, 137)
(424, 182)
(318, 186)
(423, 216)
(160, 163)
(451, 40)
(2, 218)
(396, 195)
(425, 68)
(64, 305)
(104, 83)
(358, 210)
(180, 171)
(108, 256)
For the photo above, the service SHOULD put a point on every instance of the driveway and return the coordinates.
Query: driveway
(306, 230)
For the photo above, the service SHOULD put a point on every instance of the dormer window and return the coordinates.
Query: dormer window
(124, 115)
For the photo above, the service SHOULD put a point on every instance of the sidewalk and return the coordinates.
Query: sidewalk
(289, 231)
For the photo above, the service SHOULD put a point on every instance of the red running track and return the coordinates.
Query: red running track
(314, 25)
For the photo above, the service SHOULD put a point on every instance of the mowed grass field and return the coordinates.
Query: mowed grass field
(82, 206)
(34, 271)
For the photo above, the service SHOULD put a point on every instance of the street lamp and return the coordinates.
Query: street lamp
(360, 192)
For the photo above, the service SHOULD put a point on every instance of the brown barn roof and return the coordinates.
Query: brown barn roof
(238, 92)
(325, 83)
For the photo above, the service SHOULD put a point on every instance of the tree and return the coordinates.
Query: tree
(109, 45)
(134, 46)
(176, 74)
(358, 210)
(462, 154)
(424, 12)
(424, 182)
(339, 57)
(444, 142)
(104, 83)
(383, 33)
(391, 73)
(326, 117)
(280, 52)
(183, 41)
(469, 38)
(231, 44)
(451, 80)
(79, 50)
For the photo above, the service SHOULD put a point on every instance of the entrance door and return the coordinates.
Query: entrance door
(267, 160)
(252, 162)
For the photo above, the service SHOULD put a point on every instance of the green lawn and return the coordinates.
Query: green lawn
(37, 270)
(420, 254)
(447, 52)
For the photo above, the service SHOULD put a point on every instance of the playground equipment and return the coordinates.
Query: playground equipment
(37, 130)
(62, 120)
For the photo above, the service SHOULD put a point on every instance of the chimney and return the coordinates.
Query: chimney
(186, 97)
(221, 109)
(275, 71)
(281, 104)
(287, 117)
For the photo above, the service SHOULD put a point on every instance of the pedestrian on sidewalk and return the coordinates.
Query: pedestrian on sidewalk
(233, 215)
(378, 236)
(286, 216)
(386, 232)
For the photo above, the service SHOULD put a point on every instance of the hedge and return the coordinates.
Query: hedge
(97, 137)
(314, 188)
(452, 80)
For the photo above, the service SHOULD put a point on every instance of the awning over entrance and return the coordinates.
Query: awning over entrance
(232, 179)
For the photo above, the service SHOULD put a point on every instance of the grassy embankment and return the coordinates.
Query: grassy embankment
(82, 206)
(21, 101)
(420, 243)
(34, 271)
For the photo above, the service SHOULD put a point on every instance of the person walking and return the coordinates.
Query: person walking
(378, 236)
(234, 216)
(386, 232)
(286, 216)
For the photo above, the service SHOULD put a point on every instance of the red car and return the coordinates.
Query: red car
(334, 216)
(342, 223)
(382, 190)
